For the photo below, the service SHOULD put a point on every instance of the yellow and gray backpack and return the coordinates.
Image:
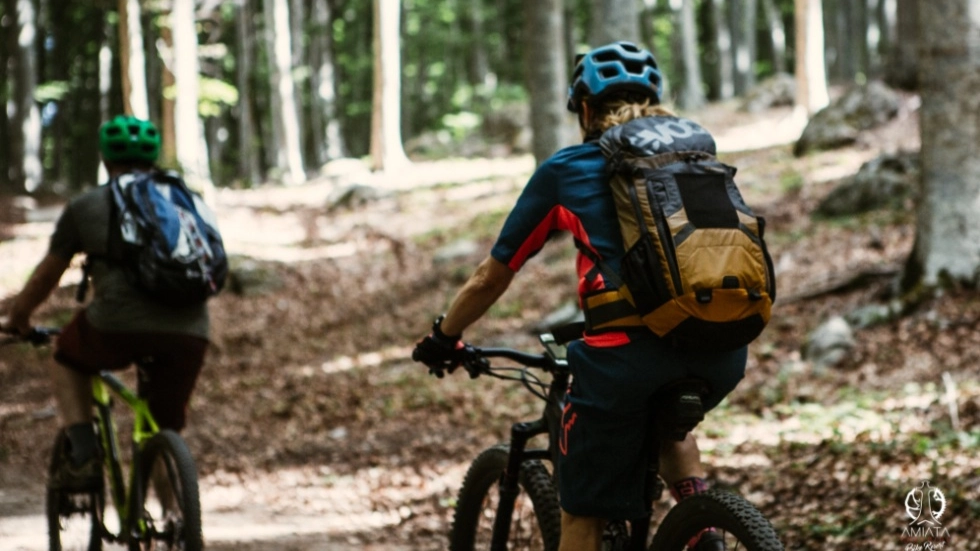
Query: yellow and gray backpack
(696, 270)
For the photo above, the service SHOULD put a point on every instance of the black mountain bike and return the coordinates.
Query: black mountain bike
(157, 509)
(508, 500)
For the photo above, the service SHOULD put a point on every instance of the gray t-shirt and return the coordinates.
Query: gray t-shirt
(117, 306)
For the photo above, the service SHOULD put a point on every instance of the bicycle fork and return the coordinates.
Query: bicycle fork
(520, 433)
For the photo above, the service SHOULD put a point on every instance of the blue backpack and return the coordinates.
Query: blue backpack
(166, 238)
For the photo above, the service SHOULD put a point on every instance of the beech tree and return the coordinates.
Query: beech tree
(285, 119)
(946, 250)
(132, 60)
(811, 75)
(386, 135)
(547, 77)
(191, 147)
(613, 20)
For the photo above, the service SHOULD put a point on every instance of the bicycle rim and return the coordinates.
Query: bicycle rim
(536, 521)
(171, 504)
(74, 519)
(732, 517)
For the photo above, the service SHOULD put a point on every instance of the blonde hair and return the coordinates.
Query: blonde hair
(620, 111)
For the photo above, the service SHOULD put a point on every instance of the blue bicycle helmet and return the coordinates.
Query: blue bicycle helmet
(620, 66)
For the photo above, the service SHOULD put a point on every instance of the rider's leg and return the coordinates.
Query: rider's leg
(580, 533)
(73, 395)
(680, 460)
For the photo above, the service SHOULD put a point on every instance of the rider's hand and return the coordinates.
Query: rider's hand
(16, 325)
(439, 351)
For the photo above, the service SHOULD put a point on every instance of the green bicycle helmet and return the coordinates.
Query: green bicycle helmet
(127, 139)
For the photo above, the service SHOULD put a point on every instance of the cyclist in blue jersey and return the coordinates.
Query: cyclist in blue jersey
(614, 372)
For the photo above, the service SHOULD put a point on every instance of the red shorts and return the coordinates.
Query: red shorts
(171, 363)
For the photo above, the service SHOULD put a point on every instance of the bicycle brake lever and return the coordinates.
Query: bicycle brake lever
(473, 362)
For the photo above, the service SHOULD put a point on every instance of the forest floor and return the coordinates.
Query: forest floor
(312, 430)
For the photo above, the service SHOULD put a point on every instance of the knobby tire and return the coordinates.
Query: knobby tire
(480, 488)
(171, 530)
(725, 511)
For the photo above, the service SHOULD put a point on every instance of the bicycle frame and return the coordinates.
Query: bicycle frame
(522, 432)
(550, 423)
(104, 387)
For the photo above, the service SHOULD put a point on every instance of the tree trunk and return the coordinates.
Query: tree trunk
(289, 159)
(547, 79)
(614, 20)
(777, 35)
(811, 77)
(25, 135)
(387, 152)
(6, 46)
(692, 97)
(902, 66)
(329, 142)
(132, 60)
(723, 47)
(742, 14)
(192, 149)
(298, 58)
(249, 168)
(948, 225)
(168, 125)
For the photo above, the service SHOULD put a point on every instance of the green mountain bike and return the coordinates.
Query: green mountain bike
(509, 500)
(158, 508)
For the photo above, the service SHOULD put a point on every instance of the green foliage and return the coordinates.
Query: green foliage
(54, 90)
(214, 94)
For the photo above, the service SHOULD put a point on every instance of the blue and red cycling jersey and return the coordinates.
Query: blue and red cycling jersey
(568, 192)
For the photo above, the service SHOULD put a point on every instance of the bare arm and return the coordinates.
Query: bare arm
(45, 278)
(477, 295)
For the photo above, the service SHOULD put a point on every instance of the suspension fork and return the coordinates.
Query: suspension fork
(520, 433)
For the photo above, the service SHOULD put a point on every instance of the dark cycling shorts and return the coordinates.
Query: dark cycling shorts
(602, 460)
(175, 362)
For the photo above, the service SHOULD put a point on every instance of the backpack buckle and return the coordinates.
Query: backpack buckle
(703, 296)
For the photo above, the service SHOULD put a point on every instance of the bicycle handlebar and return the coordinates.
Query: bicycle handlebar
(38, 336)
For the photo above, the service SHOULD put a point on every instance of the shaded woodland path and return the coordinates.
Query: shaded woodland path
(313, 431)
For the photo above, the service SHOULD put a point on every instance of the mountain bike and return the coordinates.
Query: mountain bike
(509, 500)
(158, 508)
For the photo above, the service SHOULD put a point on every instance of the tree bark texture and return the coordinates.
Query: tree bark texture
(947, 247)
(387, 152)
(547, 76)
(613, 20)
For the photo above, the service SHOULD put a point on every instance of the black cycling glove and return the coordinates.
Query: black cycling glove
(439, 351)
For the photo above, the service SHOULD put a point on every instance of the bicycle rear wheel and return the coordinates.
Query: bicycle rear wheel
(171, 503)
(74, 519)
(738, 521)
(536, 521)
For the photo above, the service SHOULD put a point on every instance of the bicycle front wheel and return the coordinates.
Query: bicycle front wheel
(171, 503)
(536, 522)
(74, 519)
(740, 524)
